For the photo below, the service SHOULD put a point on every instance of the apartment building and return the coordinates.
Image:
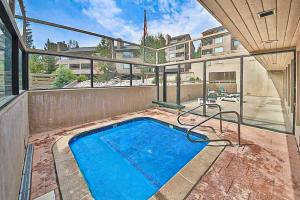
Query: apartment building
(178, 52)
(121, 52)
(218, 41)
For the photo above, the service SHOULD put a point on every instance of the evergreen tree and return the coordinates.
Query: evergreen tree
(73, 44)
(29, 40)
(156, 42)
(104, 49)
(63, 77)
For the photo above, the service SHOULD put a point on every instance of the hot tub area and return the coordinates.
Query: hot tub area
(136, 158)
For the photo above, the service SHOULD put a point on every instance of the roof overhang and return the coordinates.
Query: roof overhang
(280, 30)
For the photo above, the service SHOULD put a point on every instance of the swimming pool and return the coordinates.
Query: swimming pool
(132, 159)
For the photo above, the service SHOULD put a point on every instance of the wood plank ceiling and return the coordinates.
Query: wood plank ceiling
(279, 31)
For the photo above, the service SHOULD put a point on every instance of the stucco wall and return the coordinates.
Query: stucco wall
(13, 137)
(49, 110)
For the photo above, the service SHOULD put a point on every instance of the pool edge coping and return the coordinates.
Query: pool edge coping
(73, 185)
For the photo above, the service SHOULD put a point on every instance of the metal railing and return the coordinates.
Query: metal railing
(189, 111)
(211, 117)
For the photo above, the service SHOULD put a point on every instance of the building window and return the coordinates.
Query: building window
(207, 41)
(207, 52)
(172, 55)
(222, 77)
(218, 40)
(126, 66)
(181, 46)
(127, 55)
(180, 54)
(85, 66)
(5, 62)
(74, 66)
(219, 49)
(235, 43)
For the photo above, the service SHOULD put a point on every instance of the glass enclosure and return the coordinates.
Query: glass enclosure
(142, 75)
(53, 72)
(191, 88)
(223, 86)
(268, 91)
(108, 74)
(5, 62)
(262, 86)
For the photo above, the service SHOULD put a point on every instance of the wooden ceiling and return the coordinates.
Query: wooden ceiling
(240, 18)
(275, 62)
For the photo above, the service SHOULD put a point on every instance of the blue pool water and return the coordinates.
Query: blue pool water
(133, 159)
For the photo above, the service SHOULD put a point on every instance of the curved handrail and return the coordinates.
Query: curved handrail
(208, 140)
(211, 117)
(201, 105)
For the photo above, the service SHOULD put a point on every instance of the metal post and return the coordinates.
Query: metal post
(164, 85)
(113, 49)
(157, 81)
(131, 75)
(204, 88)
(190, 50)
(25, 72)
(92, 73)
(241, 87)
(156, 57)
(178, 85)
(15, 66)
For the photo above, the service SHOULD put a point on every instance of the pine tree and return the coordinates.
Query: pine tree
(29, 40)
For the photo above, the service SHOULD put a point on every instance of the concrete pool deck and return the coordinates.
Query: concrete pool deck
(266, 168)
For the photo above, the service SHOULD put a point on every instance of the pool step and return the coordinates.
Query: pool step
(24, 193)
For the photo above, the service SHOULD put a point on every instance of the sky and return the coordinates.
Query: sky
(117, 18)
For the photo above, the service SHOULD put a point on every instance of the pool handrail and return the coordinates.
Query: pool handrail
(211, 117)
(201, 105)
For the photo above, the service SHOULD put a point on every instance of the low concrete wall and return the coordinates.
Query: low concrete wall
(13, 137)
(53, 109)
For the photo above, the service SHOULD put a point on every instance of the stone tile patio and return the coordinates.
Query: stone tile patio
(267, 167)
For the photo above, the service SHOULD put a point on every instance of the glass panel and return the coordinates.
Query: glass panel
(218, 40)
(219, 49)
(67, 41)
(223, 86)
(161, 77)
(5, 62)
(268, 91)
(19, 22)
(143, 75)
(20, 71)
(51, 72)
(196, 49)
(191, 88)
(108, 74)
(171, 80)
(162, 56)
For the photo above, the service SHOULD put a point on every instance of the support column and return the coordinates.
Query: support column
(178, 85)
(204, 88)
(157, 82)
